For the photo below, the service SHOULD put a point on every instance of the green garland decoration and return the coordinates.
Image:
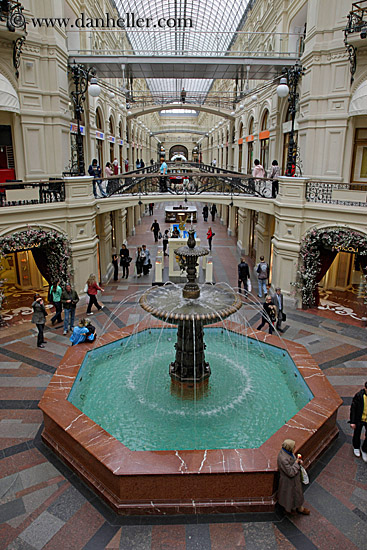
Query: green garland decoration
(337, 237)
(55, 246)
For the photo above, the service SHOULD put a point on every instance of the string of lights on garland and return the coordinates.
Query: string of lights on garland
(55, 246)
(336, 238)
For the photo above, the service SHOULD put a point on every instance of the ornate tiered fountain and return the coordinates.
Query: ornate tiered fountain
(182, 307)
(148, 446)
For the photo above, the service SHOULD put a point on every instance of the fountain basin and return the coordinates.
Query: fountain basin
(183, 481)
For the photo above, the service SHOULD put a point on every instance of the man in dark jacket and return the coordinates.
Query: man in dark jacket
(358, 419)
(278, 302)
(243, 275)
(205, 213)
(156, 229)
(69, 299)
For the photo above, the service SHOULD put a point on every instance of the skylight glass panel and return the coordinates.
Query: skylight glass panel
(214, 23)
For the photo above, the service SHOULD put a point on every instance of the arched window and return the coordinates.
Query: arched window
(111, 130)
(99, 123)
(99, 139)
(264, 140)
(250, 145)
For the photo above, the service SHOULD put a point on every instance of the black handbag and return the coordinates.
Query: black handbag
(284, 317)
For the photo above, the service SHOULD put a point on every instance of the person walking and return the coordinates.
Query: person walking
(151, 162)
(278, 302)
(151, 208)
(39, 318)
(55, 296)
(269, 314)
(147, 264)
(183, 95)
(69, 299)
(205, 213)
(165, 242)
(124, 261)
(213, 211)
(142, 163)
(115, 167)
(126, 165)
(210, 236)
(115, 264)
(358, 421)
(262, 271)
(93, 288)
(156, 229)
(290, 494)
(137, 164)
(139, 261)
(243, 276)
(274, 175)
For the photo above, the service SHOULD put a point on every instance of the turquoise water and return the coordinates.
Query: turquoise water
(253, 390)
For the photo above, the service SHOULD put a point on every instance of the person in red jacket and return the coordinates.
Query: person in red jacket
(210, 236)
(93, 288)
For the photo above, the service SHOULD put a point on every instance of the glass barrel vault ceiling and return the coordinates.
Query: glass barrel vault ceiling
(214, 23)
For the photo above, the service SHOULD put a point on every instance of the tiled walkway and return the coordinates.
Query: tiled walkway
(44, 506)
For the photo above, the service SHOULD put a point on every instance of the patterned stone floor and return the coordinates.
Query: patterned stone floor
(44, 506)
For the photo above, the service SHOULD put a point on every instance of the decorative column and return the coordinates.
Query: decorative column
(105, 246)
(263, 237)
(231, 220)
(244, 220)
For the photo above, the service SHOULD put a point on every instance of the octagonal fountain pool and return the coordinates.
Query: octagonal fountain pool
(165, 420)
(254, 389)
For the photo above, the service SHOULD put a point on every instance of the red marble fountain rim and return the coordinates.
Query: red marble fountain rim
(122, 461)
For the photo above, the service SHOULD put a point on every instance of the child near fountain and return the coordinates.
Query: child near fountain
(84, 331)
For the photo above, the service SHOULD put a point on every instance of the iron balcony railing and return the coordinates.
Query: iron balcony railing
(345, 194)
(357, 19)
(19, 193)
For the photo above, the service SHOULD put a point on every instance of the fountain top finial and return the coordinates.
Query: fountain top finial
(191, 242)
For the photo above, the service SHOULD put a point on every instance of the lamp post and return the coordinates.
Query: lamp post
(288, 87)
(81, 76)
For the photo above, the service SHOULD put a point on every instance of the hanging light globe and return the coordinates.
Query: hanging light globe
(94, 89)
(282, 89)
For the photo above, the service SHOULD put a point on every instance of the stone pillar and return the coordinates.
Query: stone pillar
(231, 220)
(80, 226)
(263, 237)
(244, 220)
(105, 247)
(137, 215)
(120, 228)
(130, 220)
(224, 215)
(287, 234)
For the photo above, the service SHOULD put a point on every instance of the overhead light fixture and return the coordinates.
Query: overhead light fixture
(282, 89)
(94, 89)
(241, 106)
(111, 95)
(233, 113)
(254, 97)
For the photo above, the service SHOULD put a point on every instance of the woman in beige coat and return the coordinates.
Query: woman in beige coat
(290, 494)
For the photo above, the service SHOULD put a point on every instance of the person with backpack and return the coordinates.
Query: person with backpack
(262, 271)
(243, 276)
